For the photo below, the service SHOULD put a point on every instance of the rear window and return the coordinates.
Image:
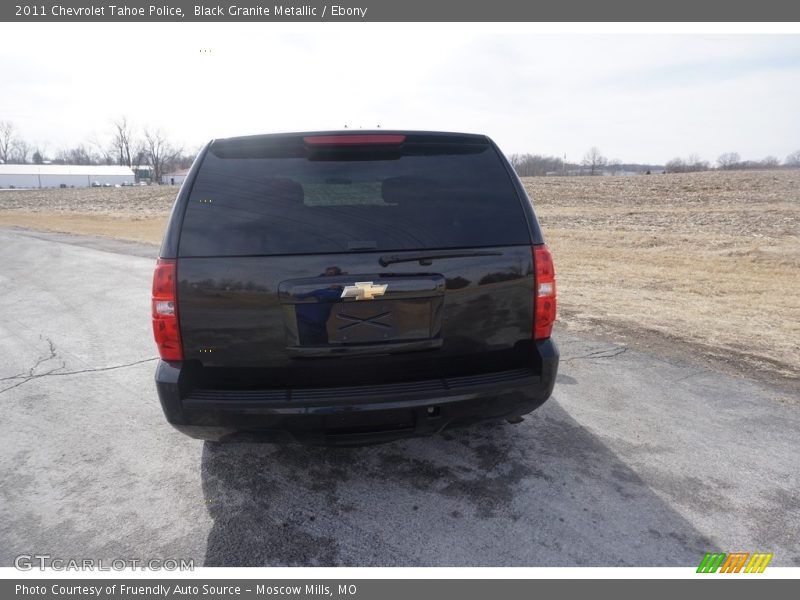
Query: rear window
(283, 197)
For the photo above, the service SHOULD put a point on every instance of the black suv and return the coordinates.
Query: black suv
(351, 287)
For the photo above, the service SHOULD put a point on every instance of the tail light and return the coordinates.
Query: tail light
(544, 302)
(165, 310)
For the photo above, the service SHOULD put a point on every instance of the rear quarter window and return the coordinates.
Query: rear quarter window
(288, 200)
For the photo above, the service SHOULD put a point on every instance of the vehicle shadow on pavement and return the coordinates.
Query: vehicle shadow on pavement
(545, 492)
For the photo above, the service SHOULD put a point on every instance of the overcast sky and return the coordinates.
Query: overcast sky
(639, 98)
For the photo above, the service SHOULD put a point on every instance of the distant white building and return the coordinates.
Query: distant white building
(175, 178)
(53, 176)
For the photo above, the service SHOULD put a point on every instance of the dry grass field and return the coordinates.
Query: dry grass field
(701, 264)
(709, 260)
(138, 214)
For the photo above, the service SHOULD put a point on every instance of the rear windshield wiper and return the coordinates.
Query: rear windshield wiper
(425, 257)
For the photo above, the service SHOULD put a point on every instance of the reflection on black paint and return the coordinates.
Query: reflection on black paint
(456, 283)
(498, 277)
(312, 318)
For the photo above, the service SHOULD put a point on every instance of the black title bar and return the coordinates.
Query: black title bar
(404, 10)
(702, 587)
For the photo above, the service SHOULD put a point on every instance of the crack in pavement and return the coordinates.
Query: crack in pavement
(39, 361)
(25, 378)
(690, 375)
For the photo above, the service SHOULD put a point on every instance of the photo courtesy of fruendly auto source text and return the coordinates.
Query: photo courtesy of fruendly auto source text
(372, 299)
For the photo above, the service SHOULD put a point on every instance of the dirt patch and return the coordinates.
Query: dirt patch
(144, 201)
(697, 265)
(148, 230)
(137, 214)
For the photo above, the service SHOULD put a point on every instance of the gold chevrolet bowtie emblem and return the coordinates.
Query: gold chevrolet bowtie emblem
(364, 290)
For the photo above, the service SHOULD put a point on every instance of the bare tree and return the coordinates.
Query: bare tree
(22, 151)
(595, 160)
(793, 159)
(100, 153)
(691, 164)
(39, 155)
(139, 158)
(694, 163)
(676, 165)
(729, 160)
(770, 162)
(534, 165)
(7, 139)
(124, 142)
(79, 155)
(139, 155)
(159, 151)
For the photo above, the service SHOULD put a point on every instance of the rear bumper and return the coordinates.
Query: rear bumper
(354, 414)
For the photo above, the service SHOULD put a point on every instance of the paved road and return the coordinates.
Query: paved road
(636, 460)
